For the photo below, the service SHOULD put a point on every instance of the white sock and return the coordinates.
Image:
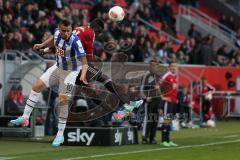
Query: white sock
(62, 120)
(61, 126)
(30, 104)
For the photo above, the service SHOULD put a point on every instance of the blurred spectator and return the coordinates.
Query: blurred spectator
(162, 53)
(6, 23)
(194, 33)
(15, 94)
(28, 40)
(222, 58)
(206, 52)
(14, 98)
(168, 13)
(17, 40)
(139, 50)
(101, 7)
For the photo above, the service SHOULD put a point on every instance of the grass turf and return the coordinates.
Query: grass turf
(218, 143)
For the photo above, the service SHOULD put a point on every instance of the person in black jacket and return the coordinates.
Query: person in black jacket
(151, 108)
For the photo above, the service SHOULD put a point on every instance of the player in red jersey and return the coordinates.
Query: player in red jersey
(170, 79)
(87, 36)
(206, 91)
(168, 107)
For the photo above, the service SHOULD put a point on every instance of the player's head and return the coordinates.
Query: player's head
(173, 67)
(153, 63)
(97, 25)
(65, 28)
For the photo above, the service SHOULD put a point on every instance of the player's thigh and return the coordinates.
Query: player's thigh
(38, 86)
(67, 82)
(50, 77)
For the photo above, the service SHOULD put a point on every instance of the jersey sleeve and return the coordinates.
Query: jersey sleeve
(78, 48)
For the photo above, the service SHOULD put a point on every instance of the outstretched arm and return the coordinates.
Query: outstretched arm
(48, 43)
(84, 69)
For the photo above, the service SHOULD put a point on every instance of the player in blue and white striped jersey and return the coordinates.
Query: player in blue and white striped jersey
(68, 50)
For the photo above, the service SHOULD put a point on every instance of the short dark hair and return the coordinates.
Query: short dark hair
(65, 22)
(97, 25)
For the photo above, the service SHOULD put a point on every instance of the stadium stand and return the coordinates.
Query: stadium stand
(24, 24)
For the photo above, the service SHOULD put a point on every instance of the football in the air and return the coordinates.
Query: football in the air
(116, 13)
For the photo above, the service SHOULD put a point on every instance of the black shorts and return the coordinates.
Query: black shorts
(93, 73)
(168, 107)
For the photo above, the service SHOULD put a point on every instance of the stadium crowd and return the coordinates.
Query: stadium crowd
(23, 24)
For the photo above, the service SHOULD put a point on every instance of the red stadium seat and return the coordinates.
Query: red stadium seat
(175, 9)
(181, 37)
(152, 35)
(80, 6)
(121, 3)
(163, 38)
(23, 29)
(157, 24)
(175, 47)
(209, 11)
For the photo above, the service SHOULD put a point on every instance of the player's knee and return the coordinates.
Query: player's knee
(38, 86)
(63, 100)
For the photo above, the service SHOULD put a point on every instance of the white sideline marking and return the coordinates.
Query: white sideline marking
(231, 136)
(150, 150)
(7, 158)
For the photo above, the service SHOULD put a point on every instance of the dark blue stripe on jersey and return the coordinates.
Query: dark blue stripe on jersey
(57, 60)
(64, 63)
(74, 63)
(64, 60)
(58, 39)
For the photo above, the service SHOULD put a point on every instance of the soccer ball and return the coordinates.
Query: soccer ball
(211, 124)
(116, 13)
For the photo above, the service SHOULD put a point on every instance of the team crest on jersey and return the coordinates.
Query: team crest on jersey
(60, 51)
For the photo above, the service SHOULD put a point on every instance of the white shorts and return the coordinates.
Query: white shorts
(64, 80)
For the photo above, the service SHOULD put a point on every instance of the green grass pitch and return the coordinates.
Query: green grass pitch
(220, 143)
